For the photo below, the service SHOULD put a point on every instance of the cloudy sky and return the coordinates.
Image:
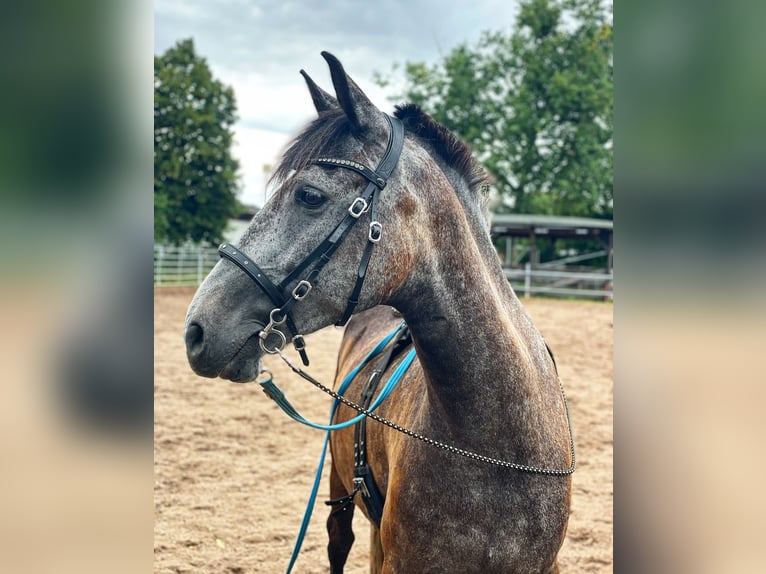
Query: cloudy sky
(258, 47)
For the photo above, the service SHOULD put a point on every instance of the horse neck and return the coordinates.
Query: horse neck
(481, 355)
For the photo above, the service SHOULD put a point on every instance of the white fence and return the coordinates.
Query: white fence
(530, 282)
(187, 265)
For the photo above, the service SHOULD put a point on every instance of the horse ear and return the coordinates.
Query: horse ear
(322, 100)
(358, 108)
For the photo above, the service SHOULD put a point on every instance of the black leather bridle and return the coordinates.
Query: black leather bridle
(283, 298)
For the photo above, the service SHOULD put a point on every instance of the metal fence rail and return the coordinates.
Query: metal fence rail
(186, 265)
(530, 282)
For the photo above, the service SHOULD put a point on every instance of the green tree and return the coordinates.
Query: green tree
(535, 104)
(195, 175)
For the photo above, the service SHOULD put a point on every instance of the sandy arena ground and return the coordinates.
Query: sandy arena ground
(233, 473)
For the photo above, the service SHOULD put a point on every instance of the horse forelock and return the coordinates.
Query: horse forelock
(322, 137)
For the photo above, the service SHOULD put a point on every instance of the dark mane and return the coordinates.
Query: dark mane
(322, 137)
(454, 151)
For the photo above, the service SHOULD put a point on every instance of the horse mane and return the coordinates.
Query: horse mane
(450, 148)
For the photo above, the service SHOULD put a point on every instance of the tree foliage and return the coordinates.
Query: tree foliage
(195, 175)
(535, 104)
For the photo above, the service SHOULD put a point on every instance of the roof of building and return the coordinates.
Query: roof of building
(554, 225)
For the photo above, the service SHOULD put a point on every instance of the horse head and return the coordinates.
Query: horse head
(329, 175)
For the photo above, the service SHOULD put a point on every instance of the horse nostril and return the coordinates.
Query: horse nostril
(194, 337)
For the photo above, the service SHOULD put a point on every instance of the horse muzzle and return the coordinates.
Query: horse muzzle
(235, 357)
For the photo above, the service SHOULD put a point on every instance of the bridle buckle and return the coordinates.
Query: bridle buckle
(302, 289)
(299, 342)
(358, 207)
(376, 231)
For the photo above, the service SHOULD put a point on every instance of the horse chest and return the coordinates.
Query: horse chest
(452, 515)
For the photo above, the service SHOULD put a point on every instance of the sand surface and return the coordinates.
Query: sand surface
(233, 473)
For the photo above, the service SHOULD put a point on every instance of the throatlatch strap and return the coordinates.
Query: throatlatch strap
(353, 299)
(385, 169)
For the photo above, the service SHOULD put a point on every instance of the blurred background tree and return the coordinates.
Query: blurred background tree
(535, 104)
(195, 175)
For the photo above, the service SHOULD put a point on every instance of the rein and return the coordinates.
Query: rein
(438, 444)
(276, 394)
(283, 298)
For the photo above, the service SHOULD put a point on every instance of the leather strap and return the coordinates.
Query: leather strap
(385, 169)
(322, 253)
(371, 176)
(364, 480)
(247, 265)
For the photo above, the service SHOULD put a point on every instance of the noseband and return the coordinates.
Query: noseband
(283, 298)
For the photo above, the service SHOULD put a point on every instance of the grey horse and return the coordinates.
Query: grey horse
(483, 379)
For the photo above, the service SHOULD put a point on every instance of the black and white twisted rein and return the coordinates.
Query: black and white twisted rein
(449, 448)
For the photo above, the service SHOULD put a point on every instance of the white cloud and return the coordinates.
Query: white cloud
(179, 8)
(258, 151)
(264, 104)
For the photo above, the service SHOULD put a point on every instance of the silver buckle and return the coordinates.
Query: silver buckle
(299, 342)
(354, 209)
(303, 283)
(376, 231)
(359, 482)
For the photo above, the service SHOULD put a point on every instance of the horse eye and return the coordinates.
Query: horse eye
(310, 197)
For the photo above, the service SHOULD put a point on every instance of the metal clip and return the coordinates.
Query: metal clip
(299, 342)
(269, 330)
(357, 208)
(376, 230)
(274, 322)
